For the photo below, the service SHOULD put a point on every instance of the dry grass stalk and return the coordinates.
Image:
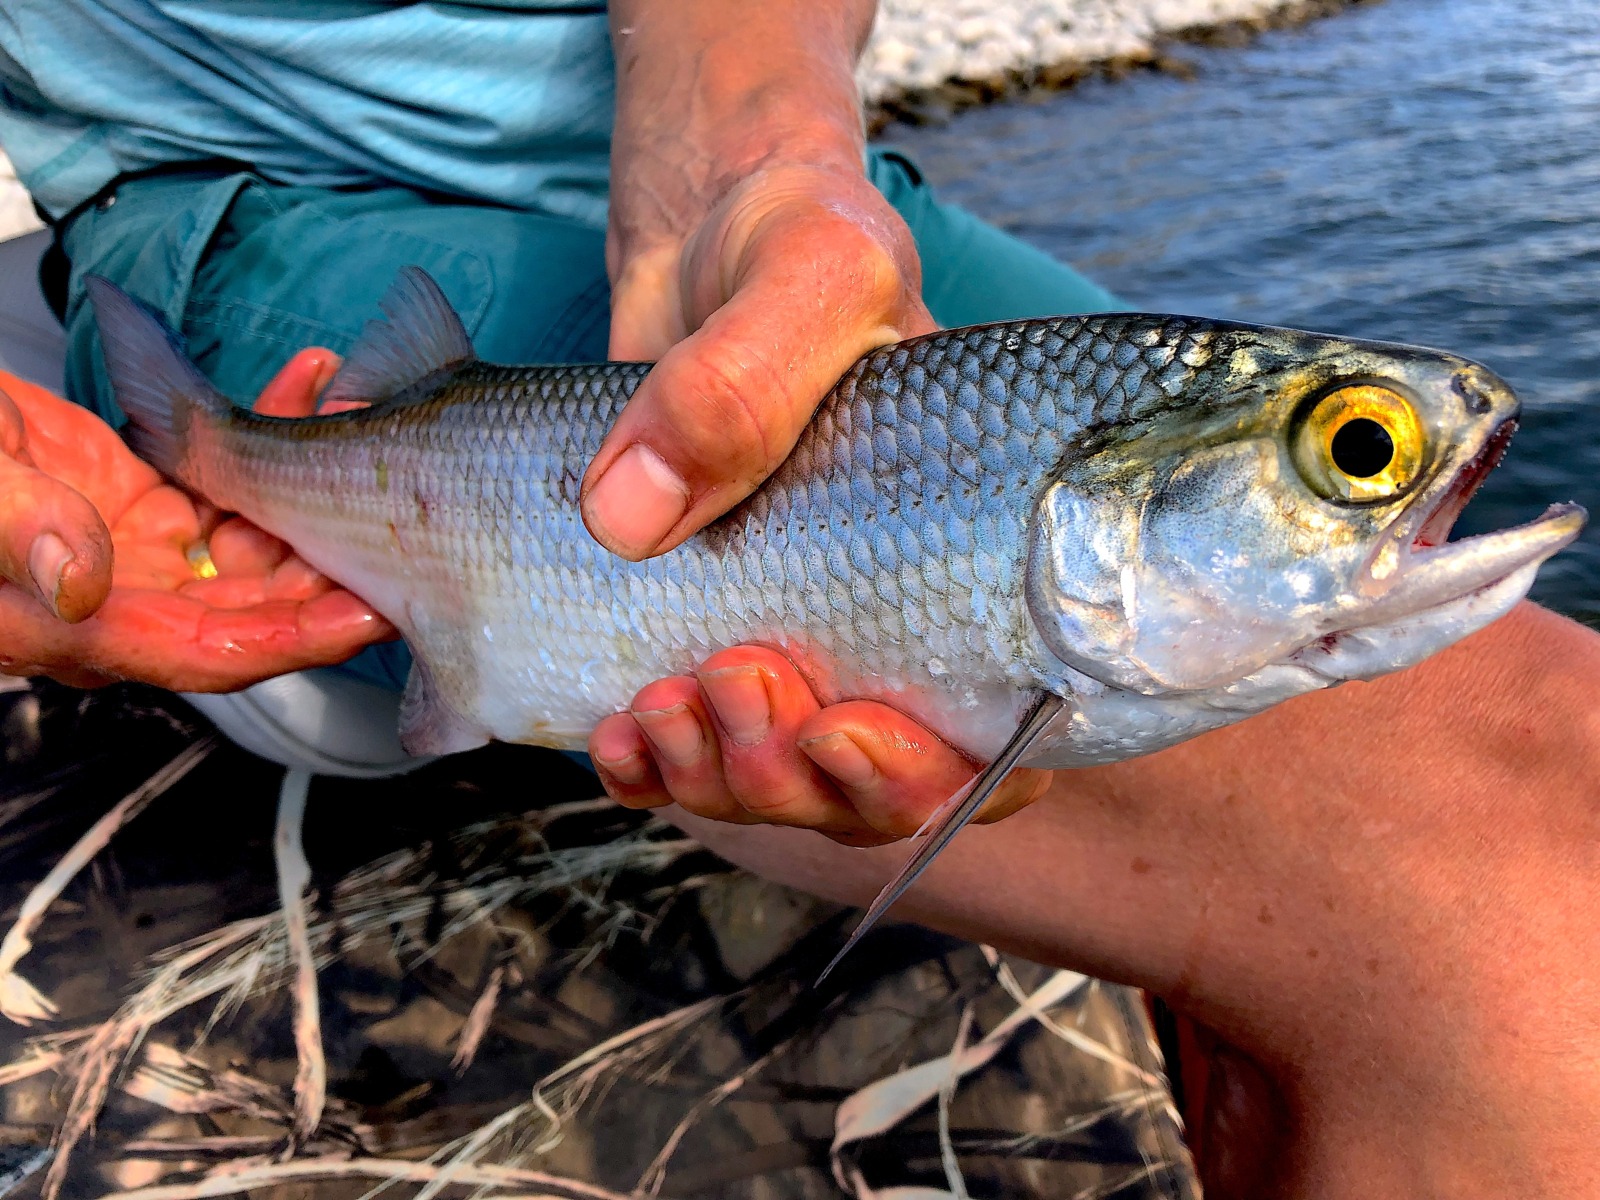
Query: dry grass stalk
(655, 1175)
(392, 899)
(231, 1179)
(1075, 1038)
(477, 1023)
(294, 878)
(20, 1001)
(19, 806)
(883, 1104)
(181, 1084)
(947, 1094)
(1121, 1183)
(23, 1171)
(535, 1127)
(41, 1054)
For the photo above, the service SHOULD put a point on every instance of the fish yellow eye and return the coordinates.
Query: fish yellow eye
(1360, 443)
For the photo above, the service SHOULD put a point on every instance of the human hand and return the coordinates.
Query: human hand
(748, 254)
(745, 741)
(100, 563)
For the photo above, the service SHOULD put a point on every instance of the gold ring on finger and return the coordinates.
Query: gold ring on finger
(199, 556)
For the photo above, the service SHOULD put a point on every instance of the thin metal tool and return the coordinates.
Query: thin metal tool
(948, 819)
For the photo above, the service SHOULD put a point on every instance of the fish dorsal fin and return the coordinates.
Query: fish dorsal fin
(422, 337)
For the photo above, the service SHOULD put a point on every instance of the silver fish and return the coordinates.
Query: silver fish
(1164, 523)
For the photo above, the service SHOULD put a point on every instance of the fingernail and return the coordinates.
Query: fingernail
(840, 756)
(636, 503)
(628, 769)
(674, 732)
(739, 697)
(326, 369)
(48, 558)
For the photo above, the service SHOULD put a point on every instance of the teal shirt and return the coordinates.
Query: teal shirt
(504, 101)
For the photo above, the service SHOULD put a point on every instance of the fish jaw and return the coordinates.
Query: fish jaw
(1413, 569)
(1425, 578)
(1102, 724)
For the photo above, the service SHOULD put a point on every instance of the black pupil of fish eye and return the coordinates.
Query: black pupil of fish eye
(1362, 448)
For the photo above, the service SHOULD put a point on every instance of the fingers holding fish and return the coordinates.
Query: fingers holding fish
(795, 275)
(723, 745)
(625, 765)
(293, 391)
(677, 729)
(759, 703)
(896, 773)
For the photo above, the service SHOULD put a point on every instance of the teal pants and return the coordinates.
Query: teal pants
(252, 272)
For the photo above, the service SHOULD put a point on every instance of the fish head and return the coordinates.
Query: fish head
(1291, 506)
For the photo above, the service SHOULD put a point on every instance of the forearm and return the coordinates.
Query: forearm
(1378, 892)
(741, 82)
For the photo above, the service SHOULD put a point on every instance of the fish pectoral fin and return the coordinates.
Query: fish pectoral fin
(422, 338)
(952, 816)
(428, 725)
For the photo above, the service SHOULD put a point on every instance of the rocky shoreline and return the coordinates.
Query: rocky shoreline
(930, 58)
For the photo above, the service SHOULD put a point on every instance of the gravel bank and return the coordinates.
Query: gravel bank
(930, 57)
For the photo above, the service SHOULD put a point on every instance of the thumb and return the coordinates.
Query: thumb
(815, 290)
(293, 391)
(53, 542)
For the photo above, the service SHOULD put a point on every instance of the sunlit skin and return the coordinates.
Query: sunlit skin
(127, 601)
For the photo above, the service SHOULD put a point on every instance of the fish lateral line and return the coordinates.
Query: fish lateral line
(952, 816)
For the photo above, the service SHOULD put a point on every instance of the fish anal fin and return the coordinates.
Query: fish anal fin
(423, 337)
(430, 726)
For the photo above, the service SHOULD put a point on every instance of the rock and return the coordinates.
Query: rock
(963, 49)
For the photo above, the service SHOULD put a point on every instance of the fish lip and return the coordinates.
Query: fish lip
(1428, 519)
(1433, 525)
(1415, 567)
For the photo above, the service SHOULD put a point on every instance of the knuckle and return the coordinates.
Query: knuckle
(775, 797)
(867, 268)
(729, 412)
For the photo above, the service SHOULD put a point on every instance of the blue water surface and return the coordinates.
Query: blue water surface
(1417, 170)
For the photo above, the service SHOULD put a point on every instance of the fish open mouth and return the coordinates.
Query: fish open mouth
(1421, 592)
(1416, 567)
(1436, 527)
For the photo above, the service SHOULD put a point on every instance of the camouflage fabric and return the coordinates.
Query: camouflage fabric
(522, 990)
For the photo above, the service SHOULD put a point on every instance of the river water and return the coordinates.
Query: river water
(1418, 170)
